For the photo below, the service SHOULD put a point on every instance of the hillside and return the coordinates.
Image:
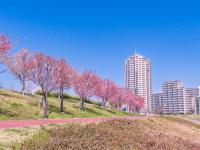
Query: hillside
(155, 133)
(14, 105)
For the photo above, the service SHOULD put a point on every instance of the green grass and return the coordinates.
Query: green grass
(14, 105)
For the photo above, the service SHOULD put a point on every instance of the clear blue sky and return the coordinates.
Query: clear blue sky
(100, 34)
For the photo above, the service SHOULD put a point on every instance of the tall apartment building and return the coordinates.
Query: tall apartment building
(196, 105)
(157, 103)
(190, 95)
(173, 94)
(138, 78)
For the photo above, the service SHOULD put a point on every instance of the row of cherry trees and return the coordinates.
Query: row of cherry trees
(51, 74)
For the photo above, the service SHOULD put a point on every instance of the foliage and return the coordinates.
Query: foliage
(84, 86)
(42, 72)
(19, 65)
(4, 47)
(106, 90)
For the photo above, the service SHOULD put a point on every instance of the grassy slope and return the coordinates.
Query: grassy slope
(191, 117)
(16, 106)
(13, 137)
(156, 133)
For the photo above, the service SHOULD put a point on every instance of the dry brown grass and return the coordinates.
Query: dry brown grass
(160, 133)
(12, 137)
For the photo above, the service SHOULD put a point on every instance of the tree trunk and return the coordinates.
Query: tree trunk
(61, 100)
(82, 105)
(42, 102)
(129, 109)
(104, 104)
(119, 108)
(23, 87)
(45, 105)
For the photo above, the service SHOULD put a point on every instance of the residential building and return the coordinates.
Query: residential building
(157, 103)
(190, 94)
(138, 78)
(173, 94)
(196, 105)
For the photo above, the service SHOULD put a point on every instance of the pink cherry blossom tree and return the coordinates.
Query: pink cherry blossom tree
(130, 101)
(120, 98)
(19, 65)
(64, 75)
(106, 90)
(42, 72)
(139, 103)
(5, 46)
(134, 103)
(84, 86)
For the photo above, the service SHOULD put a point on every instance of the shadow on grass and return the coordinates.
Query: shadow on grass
(98, 107)
(54, 109)
(71, 100)
(15, 105)
(76, 107)
(8, 114)
(110, 111)
(89, 110)
(34, 103)
(6, 95)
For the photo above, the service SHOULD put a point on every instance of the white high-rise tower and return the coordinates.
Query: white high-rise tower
(138, 78)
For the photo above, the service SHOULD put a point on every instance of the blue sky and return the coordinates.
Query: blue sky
(100, 34)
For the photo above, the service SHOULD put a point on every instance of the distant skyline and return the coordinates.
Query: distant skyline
(100, 35)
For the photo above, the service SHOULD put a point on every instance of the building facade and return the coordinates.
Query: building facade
(190, 95)
(138, 78)
(173, 94)
(157, 103)
(196, 105)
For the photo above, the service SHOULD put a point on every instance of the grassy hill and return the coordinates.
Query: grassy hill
(155, 133)
(14, 105)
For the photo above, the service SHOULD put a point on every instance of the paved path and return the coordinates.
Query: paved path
(23, 123)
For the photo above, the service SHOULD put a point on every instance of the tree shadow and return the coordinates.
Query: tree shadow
(6, 95)
(89, 110)
(110, 111)
(76, 107)
(55, 109)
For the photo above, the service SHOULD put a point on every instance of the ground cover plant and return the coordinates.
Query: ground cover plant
(155, 133)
